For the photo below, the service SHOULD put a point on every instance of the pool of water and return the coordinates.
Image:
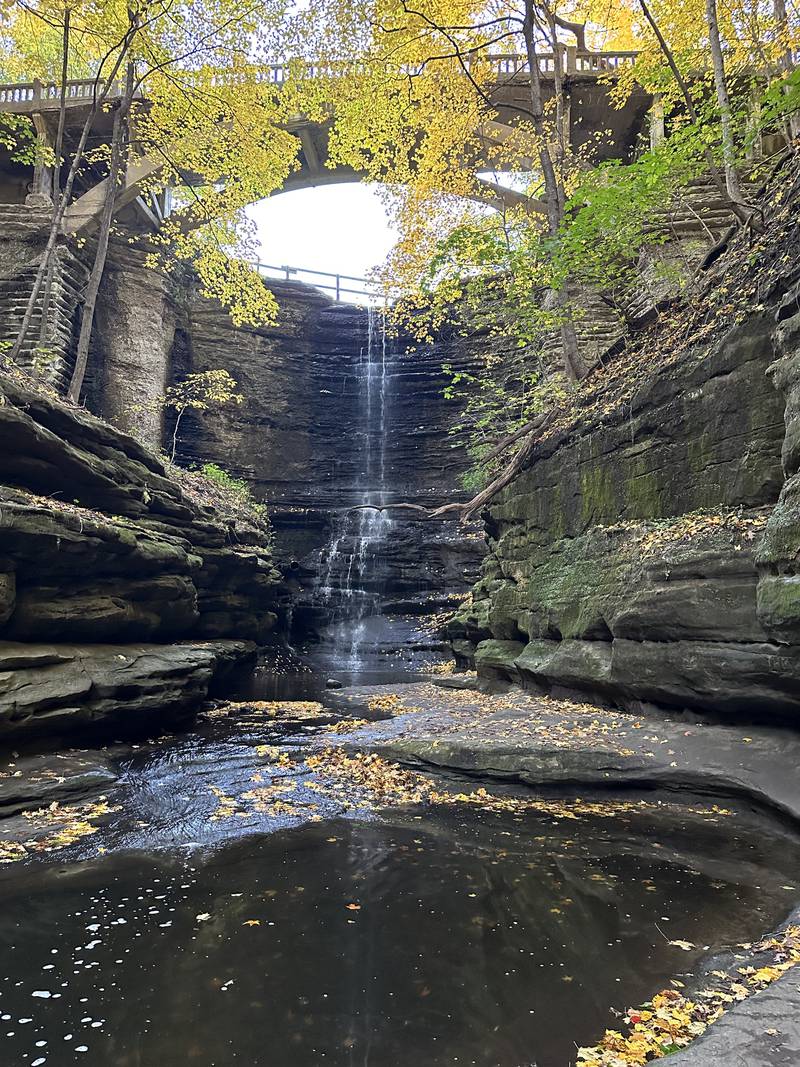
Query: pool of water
(399, 651)
(383, 938)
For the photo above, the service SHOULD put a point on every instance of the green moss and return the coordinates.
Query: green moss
(643, 496)
(598, 499)
(558, 521)
(779, 603)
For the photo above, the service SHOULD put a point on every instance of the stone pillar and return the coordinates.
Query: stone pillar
(657, 131)
(566, 131)
(134, 331)
(754, 147)
(41, 194)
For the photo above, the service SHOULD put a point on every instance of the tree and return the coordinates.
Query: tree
(414, 87)
(206, 119)
(723, 102)
(113, 60)
(203, 392)
(416, 109)
(116, 174)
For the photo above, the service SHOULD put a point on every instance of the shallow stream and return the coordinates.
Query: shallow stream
(186, 931)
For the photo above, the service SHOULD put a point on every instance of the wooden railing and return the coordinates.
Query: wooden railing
(42, 96)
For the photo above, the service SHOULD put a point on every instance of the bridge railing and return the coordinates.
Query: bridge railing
(35, 95)
(343, 286)
(29, 95)
(569, 60)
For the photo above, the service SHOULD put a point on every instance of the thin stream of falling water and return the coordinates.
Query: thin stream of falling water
(349, 564)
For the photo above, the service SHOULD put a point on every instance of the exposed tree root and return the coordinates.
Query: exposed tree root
(467, 509)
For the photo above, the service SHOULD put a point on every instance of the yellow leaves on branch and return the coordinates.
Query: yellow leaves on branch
(208, 120)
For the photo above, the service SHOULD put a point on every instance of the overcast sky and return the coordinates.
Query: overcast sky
(337, 228)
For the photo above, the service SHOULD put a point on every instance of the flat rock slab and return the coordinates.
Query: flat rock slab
(763, 1031)
(53, 689)
(545, 742)
(29, 782)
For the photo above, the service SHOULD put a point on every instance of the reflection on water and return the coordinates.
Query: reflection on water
(433, 938)
(390, 651)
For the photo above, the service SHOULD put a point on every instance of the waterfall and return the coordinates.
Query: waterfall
(350, 565)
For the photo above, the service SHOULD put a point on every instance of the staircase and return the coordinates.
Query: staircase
(51, 358)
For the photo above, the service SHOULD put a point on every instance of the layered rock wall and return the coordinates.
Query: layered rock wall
(100, 547)
(312, 443)
(49, 349)
(649, 553)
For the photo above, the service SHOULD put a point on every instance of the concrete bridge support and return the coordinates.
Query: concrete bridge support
(134, 332)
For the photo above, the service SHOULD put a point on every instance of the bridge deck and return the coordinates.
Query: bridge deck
(32, 97)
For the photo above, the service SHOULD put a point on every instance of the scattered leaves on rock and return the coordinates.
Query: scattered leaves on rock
(670, 1021)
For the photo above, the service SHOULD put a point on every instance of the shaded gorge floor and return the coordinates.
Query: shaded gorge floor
(229, 903)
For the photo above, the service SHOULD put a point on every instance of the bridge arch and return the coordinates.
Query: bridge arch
(588, 79)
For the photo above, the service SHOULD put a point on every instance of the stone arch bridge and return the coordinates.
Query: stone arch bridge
(588, 80)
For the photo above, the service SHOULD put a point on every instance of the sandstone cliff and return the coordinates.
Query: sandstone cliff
(650, 552)
(122, 592)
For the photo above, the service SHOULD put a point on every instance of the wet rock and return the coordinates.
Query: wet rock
(57, 689)
(129, 556)
(779, 588)
(30, 782)
(303, 380)
(123, 599)
(763, 1031)
(649, 552)
(333, 683)
(544, 742)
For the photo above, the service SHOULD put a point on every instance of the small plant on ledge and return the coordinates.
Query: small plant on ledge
(231, 497)
(226, 482)
(202, 392)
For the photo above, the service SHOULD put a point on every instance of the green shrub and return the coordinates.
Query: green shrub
(226, 482)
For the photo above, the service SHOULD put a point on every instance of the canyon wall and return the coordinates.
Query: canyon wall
(302, 435)
(650, 551)
(648, 554)
(123, 592)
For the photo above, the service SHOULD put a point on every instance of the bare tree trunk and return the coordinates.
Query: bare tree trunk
(63, 199)
(741, 213)
(561, 116)
(44, 333)
(117, 169)
(537, 114)
(573, 365)
(175, 429)
(723, 101)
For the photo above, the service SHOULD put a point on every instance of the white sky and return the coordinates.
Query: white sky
(342, 229)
